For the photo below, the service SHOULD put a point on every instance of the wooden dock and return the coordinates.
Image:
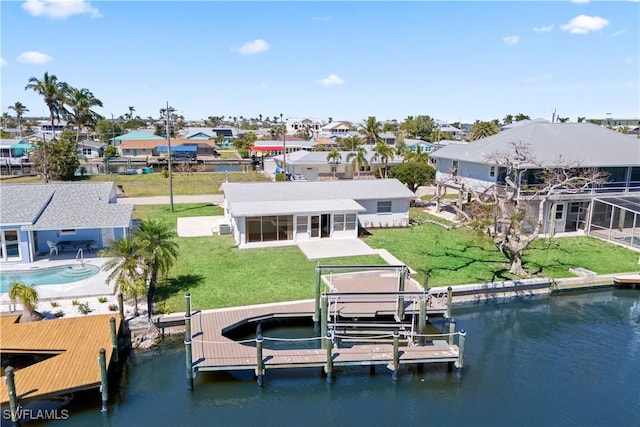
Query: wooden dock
(74, 344)
(632, 280)
(212, 351)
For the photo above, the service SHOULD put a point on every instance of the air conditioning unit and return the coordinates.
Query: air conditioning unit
(224, 230)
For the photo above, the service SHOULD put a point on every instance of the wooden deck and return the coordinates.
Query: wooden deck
(75, 343)
(628, 279)
(211, 351)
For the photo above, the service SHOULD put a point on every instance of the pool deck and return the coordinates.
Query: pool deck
(91, 286)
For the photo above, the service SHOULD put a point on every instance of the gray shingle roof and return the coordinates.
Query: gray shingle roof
(315, 190)
(62, 205)
(289, 207)
(587, 144)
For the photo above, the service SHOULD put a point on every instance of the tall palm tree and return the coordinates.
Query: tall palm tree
(127, 271)
(418, 156)
(130, 113)
(79, 103)
(371, 129)
(383, 152)
(28, 297)
(51, 89)
(334, 156)
(19, 109)
(358, 159)
(158, 250)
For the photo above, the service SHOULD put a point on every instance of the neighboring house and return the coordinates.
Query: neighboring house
(315, 166)
(32, 214)
(140, 148)
(273, 147)
(444, 127)
(147, 148)
(91, 149)
(198, 133)
(413, 144)
(296, 124)
(339, 128)
(14, 148)
(139, 135)
(468, 166)
(265, 213)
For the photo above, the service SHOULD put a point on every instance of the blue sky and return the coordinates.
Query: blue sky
(454, 60)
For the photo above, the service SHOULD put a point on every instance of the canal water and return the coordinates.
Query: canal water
(571, 359)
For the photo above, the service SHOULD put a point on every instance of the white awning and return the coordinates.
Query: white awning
(295, 207)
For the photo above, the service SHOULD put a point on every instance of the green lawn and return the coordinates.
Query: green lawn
(155, 184)
(460, 256)
(163, 212)
(217, 274)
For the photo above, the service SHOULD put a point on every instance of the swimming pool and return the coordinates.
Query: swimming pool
(57, 275)
(632, 240)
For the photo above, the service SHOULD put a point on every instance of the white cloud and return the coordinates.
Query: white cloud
(332, 80)
(33, 57)
(253, 47)
(60, 9)
(543, 29)
(3, 62)
(583, 24)
(579, 1)
(511, 39)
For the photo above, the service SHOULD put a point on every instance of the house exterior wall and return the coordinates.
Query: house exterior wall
(137, 151)
(398, 217)
(55, 236)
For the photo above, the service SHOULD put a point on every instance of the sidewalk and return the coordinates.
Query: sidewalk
(164, 200)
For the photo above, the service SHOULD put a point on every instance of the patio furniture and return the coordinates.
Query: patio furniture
(76, 244)
(53, 247)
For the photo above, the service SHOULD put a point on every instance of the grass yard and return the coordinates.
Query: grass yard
(163, 212)
(154, 184)
(460, 256)
(217, 274)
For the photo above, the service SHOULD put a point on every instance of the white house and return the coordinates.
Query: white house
(584, 145)
(268, 213)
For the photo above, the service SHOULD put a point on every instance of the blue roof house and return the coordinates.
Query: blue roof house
(70, 215)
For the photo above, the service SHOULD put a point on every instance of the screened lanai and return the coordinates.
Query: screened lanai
(616, 219)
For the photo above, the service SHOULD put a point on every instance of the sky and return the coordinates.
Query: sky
(453, 60)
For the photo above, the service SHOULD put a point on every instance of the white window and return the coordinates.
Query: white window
(384, 206)
(559, 211)
(492, 171)
(454, 168)
(67, 232)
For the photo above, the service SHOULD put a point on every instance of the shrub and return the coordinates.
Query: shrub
(281, 176)
(75, 302)
(55, 304)
(59, 313)
(113, 307)
(84, 308)
(102, 300)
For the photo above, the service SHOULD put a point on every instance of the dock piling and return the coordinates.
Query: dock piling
(329, 365)
(422, 322)
(121, 307)
(13, 397)
(104, 385)
(187, 341)
(259, 360)
(114, 339)
(403, 275)
(449, 301)
(461, 339)
(324, 316)
(452, 330)
(396, 355)
(316, 312)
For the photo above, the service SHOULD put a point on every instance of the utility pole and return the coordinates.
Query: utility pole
(169, 155)
(284, 146)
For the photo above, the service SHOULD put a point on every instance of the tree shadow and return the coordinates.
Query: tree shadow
(179, 284)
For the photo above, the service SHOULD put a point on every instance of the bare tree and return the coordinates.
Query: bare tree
(505, 211)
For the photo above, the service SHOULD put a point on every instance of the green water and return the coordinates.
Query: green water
(569, 360)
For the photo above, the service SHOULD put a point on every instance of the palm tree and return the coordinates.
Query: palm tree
(508, 119)
(418, 156)
(28, 297)
(483, 129)
(19, 109)
(358, 159)
(130, 113)
(383, 152)
(79, 112)
(334, 157)
(51, 89)
(350, 143)
(158, 250)
(127, 271)
(371, 129)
